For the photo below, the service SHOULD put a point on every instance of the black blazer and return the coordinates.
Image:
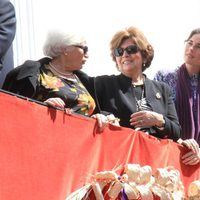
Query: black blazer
(115, 95)
(23, 79)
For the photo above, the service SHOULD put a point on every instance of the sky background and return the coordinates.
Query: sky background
(166, 25)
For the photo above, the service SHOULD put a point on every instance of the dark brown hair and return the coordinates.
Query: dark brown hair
(194, 32)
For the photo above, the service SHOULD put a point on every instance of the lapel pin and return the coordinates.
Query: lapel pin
(158, 95)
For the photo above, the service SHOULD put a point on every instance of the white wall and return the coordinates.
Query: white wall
(165, 23)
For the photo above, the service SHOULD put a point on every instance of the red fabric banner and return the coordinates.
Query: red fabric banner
(46, 154)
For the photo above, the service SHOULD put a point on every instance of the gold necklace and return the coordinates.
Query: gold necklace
(139, 83)
(57, 71)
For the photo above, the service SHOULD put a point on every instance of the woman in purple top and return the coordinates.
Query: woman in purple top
(185, 84)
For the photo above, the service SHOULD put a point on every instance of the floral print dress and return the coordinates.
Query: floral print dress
(72, 92)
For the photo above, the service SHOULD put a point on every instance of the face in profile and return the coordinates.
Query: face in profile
(76, 56)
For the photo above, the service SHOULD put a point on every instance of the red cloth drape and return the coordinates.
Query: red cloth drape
(46, 154)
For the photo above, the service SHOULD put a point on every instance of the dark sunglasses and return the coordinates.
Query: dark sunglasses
(132, 49)
(85, 48)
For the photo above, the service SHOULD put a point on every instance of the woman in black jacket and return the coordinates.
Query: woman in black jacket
(138, 102)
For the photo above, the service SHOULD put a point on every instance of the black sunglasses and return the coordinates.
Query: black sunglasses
(85, 48)
(132, 49)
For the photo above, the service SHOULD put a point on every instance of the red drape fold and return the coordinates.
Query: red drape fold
(46, 154)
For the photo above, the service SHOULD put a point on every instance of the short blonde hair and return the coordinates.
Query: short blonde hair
(57, 40)
(139, 38)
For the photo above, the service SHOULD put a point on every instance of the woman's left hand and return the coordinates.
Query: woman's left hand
(146, 118)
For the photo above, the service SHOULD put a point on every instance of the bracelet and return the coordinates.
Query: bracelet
(112, 119)
(162, 125)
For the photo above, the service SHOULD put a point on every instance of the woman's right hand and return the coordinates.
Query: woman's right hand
(57, 102)
(190, 144)
(101, 120)
(104, 120)
(193, 156)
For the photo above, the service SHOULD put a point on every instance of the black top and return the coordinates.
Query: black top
(115, 95)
